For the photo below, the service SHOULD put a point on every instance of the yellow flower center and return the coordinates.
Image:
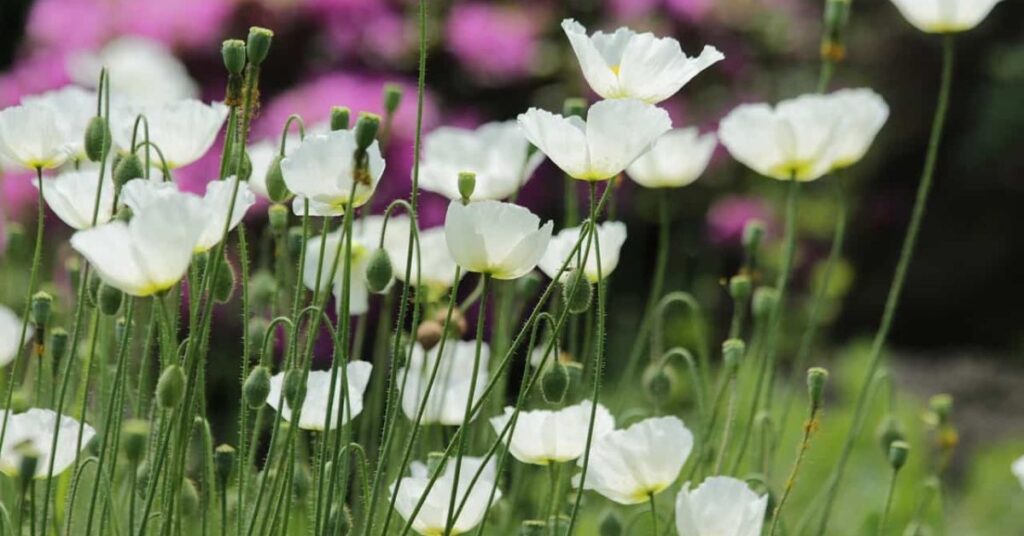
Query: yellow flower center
(615, 70)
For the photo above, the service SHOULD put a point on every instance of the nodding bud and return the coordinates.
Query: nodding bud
(262, 288)
(533, 527)
(898, 452)
(576, 292)
(134, 436)
(740, 288)
(29, 460)
(889, 430)
(434, 460)
(294, 241)
(257, 327)
(378, 271)
(58, 342)
(224, 285)
(223, 463)
(258, 44)
(467, 184)
(170, 387)
(128, 168)
(189, 498)
(554, 383)
(765, 300)
(429, 333)
(294, 388)
(233, 53)
(659, 379)
(277, 190)
(340, 117)
(611, 524)
(574, 106)
(97, 138)
(392, 97)
(42, 307)
(816, 378)
(941, 407)
(257, 387)
(109, 299)
(732, 354)
(366, 130)
(277, 216)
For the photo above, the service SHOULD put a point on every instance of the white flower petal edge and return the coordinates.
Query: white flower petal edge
(217, 202)
(318, 388)
(36, 427)
(720, 506)
(31, 137)
(611, 236)
(432, 518)
(945, 16)
(545, 436)
(74, 108)
(321, 170)
(10, 333)
(502, 240)
(677, 158)
(72, 197)
(183, 130)
(864, 112)
(333, 248)
(141, 69)
(447, 402)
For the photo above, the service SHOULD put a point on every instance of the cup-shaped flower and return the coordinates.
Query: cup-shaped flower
(334, 254)
(545, 436)
(36, 427)
(720, 506)
(74, 107)
(615, 133)
(610, 237)
(502, 240)
(450, 391)
(627, 64)
(71, 195)
(945, 16)
(322, 170)
(32, 137)
(862, 114)
(318, 388)
(676, 159)
(496, 152)
(183, 130)
(432, 518)
(1018, 470)
(10, 331)
(150, 253)
(628, 466)
(437, 271)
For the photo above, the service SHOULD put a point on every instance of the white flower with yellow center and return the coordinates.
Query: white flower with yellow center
(627, 64)
(334, 252)
(35, 427)
(321, 170)
(71, 195)
(610, 237)
(10, 331)
(720, 506)
(318, 388)
(450, 391)
(432, 518)
(863, 113)
(141, 70)
(182, 130)
(32, 136)
(614, 134)
(945, 16)
(74, 107)
(545, 436)
(628, 466)
(676, 159)
(502, 240)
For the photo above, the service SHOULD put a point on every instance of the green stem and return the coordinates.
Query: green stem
(809, 427)
(888, 502)
(657, 285)
(654, 514)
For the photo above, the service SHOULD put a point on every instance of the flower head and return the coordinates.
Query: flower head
(432, 518)
(183, 130)
(720, 506)
(545, 436)
(72, 196)
(36, 427)
(627, 466)
(32, 136)
(502, 240)
(626, 64)
(615, 133)
(610, 237)
(10, 333)
(945, 16)
(676, 159)
(74, 107)
(321, 170)
(318, 388)
(450, 391)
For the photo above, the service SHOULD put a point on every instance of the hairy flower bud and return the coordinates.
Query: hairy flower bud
(109, 299)
(257, 327)
(97, 138)
(577, 292)
(366, 130)
(257, 387)
(262, 289)
(189, 498)
(467, 184)
(898, 453)
(243, 169)
(392, 97)
(277, 190)
(170, 388)
(554, 383)
(378, 271)
(233, 53)
(128, 168)
(740, 288)
(134, 436)
(765, 299)
(294, 388)
(340, 117)
(223, 463)
(224, 285)
(277, 216)
(732, 354)
(816, 378)
(258, 44)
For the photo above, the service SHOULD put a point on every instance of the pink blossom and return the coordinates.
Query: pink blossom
(690, 10)
(728, 215)
(495, 43)
(32, 74)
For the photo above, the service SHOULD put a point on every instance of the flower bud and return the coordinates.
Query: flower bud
(467, 183)
(816, 378)
(378, 271)
(58, 342)
(611, 525)
(941, 406)
(575, 371)
(134, 436)
(732, 354)
(224, 285)
(130, 167)
(124, 214)
(366, 130)
(19, 402)
(170, 388)
(533, 527)
(256, 328)
(434, 460)
(429, 333)
(42, 306)
(658, 383)
(889, 430)
(109, 299)
(277, 216)
(392, 97)
(753, 232)
(257, 387)
(740, 288)
(142, 476)
(97, 138)
(576, 292)
(340, 117)
(302, 482)
(294, 388)
(898, 452)
(294, 241)
(243, 169)
(233, 53)
(258, 44)
(574, 107)
(189, 498)
(223, 463)
(28, 462)
(262, 289)
(765, 299)
(554, 383)
(277, 190)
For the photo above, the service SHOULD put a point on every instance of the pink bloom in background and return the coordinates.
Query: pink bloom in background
(382, 33)
(19, 196)
(632, 9)
(494, 43)
(68, 25)
(728, 215)
(690, 10)
(36, 73)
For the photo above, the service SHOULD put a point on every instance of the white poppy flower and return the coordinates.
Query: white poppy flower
(150, 253)
(610, 237)
(502, 240)
(626, 64)
(450, 391)
(720, 506)
(32, 137)
(74, 107)
(359, 295)
(545, 436)
(496, 152)
(676, 159)
(321, 170)
(141, 70)
(36, 427)
(72, 196)
(217, 202)
(1018, 469)
(627, 466)
(432, 518)
(945, 16)
(318, 388)
(863, 114)
(183, 130)
(438, 270)
(615, 133)
(10, 331)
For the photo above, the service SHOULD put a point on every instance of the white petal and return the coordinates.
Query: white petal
(653, 69)
(36, 427)
(676, 159)
(945, 16)
(863, 112)
(72, 197)
(596, 68)
(108, 249)
(217, 202)
(752, 133)
(619, 131)
(562, 139)
(720, 505)
(10, 334)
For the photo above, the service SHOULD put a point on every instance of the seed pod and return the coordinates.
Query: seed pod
(467, 184)
(753, 232)
(97, 138)
(42, 307)
(340, 117)
(392, 97)
(19, 402)
(816, 378)
(223, 463)
(740, 288)
(889, 431)
(941, 406)
(130, 167)
(258, 44)
(898, 452)
(378, 272)
(233, 53)
(58, 342)
(262, 289)
(577, 292)
(366, 130)
(554, 383)
(109, 299)
(732, 354)
(257, 387)
(277, 215)
(170, 388)
(765, 299)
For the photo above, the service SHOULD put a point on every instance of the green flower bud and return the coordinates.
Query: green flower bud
(392, 97)
(366, 130)
(575, 371)
(42, 307)
(134, 436)
(611, 525)
(170, 388)
(576, 291)
(262, 289)
(732, 354)
(898, 452)
(740, 288)
(658, 382)
(109, 299)
(257, 327)
(233, 53)
(765, 299)
(189, 498)
(554, 383)
(242, 171)
(92, 290)
(19, 402)
(889, 431)
(574, 107)
(467, 184)
(294, 388)
(302, 482)
(257, 387)
(378, 272)
(277, 216)
(340, 117)
(277, 190)
(130, 167)
(223, 463)
(816, 378)
(941, 407)
(97, 138)
(58, 342)
(224, 285)
(142, 476)
(258, 44)
(434, 460)
(753, 232)
(28, 462)
(533, 527)
(294, 241)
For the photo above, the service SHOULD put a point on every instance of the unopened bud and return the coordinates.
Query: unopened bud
(765, 300)
(257, 387)
(224, 285)
(109, 299)
(740, 288)
(170, 387)
(241, 169)
(262, 289)
(574, 107)
(576, 292)
(467, 184)
(233, 53)
(554, 383)
(58, 342)
(223, 463)
(392, 97)
(816, 378)
(189, 498)
(753, 232)
(130, 167)
(340, 117)
(366, 130)
(732, 354)
(258, 44)
(277, 189)
(429, 333)
(42, 307)
(142, 476)
(97, 138)
(378, 271)
(898, 452)
(277, 215)
(611, 525)
(294, 388)
(659, 380)
(134, 436)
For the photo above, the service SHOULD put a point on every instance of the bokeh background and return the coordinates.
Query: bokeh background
(960, 327)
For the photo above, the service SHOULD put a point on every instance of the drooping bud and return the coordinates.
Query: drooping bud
(577, 292)
(294, 388)
(134, 435)
(277, 216)
(97, 138)
(574, 107)
(223, 463)
(658, 382)
(170, 388)
(130, 167)
(429, 333)
(257, 387)
(277, 190)
(765, 299)
(378, 271)
(467, 184)
(340, 117)
(732, 354)
(224, 285)
(816, 378)
(366, 130)
(392, 97)
(188, 498)
(233, 53)
(611, 524)
(898, 453)
(258, 44)
(554, 383)
(740, 288)
(109, 299)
